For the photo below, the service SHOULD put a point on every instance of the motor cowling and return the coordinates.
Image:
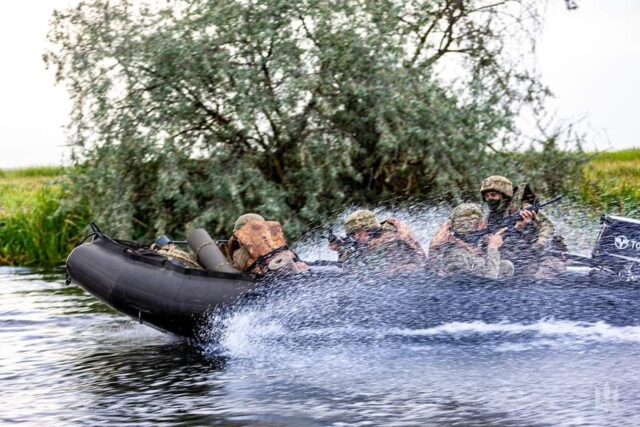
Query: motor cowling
(618, 245)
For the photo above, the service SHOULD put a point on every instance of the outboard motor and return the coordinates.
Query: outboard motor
(208, 252)
(618, 246)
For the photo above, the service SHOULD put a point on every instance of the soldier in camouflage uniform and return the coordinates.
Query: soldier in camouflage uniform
(258, 246)
(526, 245)
(373, 245)
(449, 254)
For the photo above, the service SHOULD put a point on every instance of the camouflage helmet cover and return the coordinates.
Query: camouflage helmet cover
(497, 183)
(465, 218)
(361, 220)
(246, 219)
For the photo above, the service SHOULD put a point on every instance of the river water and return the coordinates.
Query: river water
(65, 359)
(309, 358)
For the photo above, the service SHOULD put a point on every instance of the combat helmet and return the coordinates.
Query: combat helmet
(465, 218)
(497, 183)
(246, 219)
(361, 220)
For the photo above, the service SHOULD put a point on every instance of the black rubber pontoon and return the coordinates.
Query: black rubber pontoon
(151, 288)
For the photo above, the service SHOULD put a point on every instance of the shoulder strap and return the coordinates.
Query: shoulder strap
(523, 196)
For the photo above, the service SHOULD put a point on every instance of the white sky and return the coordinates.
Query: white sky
(33, 111)
(590, 58)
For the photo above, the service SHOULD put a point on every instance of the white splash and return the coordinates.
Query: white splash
(597, 331)
(253, 330)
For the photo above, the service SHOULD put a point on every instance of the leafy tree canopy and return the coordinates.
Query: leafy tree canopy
(190, 112)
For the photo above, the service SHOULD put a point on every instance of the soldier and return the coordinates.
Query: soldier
(449, 254)
(370, 244)
(526, 245)
(259, 247)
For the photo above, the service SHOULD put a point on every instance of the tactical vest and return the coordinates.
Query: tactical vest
(267, 248)
(394, 248)
(440, 253)
(518, 247)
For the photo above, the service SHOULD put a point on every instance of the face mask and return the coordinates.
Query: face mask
(494, 205)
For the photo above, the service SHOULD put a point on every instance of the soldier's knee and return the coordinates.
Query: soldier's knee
(506, 269)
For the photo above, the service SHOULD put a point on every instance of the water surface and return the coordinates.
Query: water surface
(305, 359)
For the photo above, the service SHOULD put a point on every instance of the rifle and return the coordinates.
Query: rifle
(342, 241)
(166, 240)
(577, 259)
(508, 222)
(346, 243)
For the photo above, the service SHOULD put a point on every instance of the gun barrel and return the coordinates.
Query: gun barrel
(579, 259)
(508, 222)
(552, 201)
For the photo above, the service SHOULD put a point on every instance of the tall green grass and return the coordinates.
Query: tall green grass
(618, 156)
(34, 172)
(611, 182)
(37, 226)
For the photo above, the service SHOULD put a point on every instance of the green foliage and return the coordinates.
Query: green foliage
(551, 169)
(33, 172)
(37, 226)
(189, 113)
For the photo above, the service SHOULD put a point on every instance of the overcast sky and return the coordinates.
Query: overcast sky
(590, 58)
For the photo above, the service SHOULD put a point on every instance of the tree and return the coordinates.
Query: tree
(190, 112)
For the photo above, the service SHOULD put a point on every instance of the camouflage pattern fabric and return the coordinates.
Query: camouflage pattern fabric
(361, 220)
(465, 218)
(240, 259)
(260, 247)
(544, 228)
(246, 219)
(525, 249)
(457, 257)
(392, 248)
(171, 251)
(497, 183)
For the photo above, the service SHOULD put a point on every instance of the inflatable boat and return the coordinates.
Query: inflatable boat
(164, 294)
(150, 287)
(159, 291)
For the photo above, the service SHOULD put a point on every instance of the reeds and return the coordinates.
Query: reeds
(611, 182)
(37, 226)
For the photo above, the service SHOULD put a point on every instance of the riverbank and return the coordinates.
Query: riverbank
(37, 227)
